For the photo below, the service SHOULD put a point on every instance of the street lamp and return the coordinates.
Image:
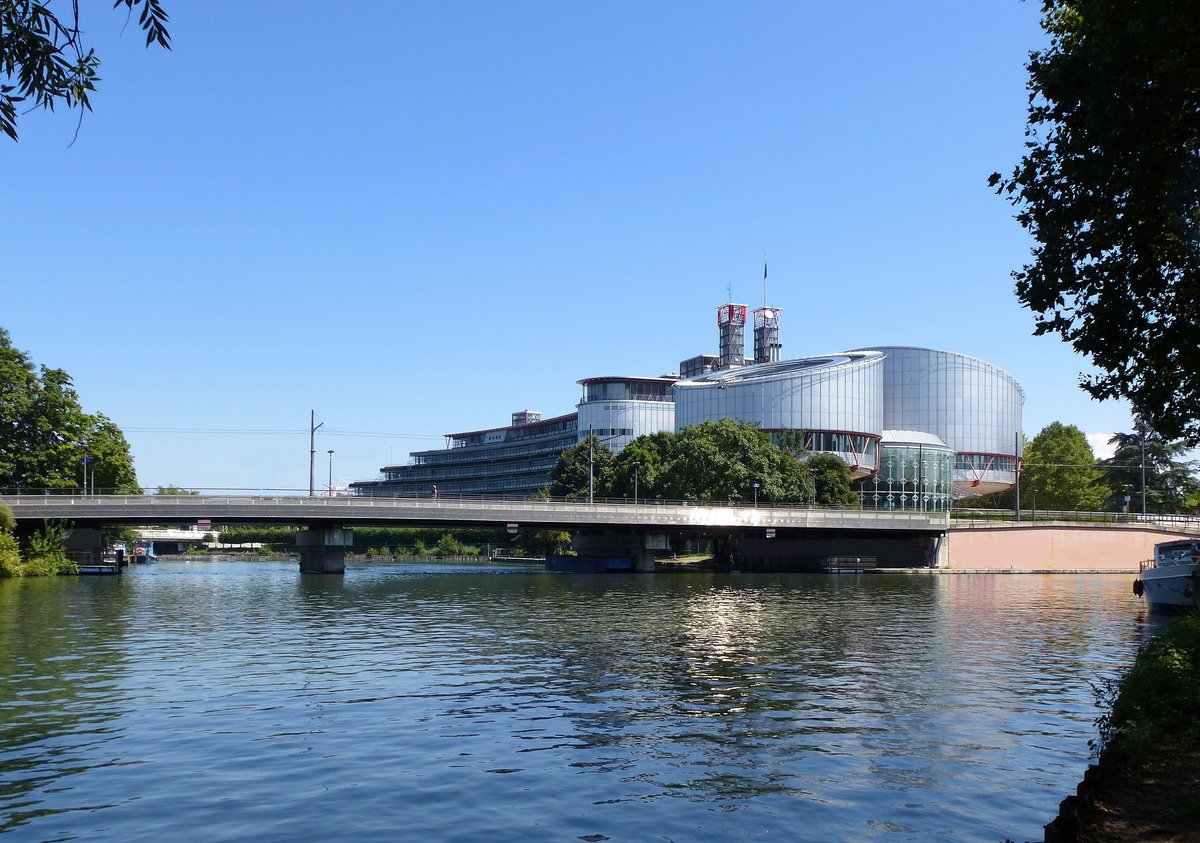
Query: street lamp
(330, 452)
(755, 488)
(313, 427)
(635, 483)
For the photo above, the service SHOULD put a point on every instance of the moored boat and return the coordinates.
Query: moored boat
(1172, 578)
(143, 553)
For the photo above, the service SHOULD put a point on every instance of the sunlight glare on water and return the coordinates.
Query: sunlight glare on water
(232, 701)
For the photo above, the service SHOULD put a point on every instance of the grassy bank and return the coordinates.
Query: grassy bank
(1146, 785)
(1158, 702)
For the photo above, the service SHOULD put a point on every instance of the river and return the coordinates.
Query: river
(243, 701)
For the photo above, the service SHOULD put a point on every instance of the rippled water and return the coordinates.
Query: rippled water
(230, 701)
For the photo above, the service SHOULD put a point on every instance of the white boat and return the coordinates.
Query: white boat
(1172, 578)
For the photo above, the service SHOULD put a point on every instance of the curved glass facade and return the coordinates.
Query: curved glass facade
(973, 406)
(837, 399)
(916, 471)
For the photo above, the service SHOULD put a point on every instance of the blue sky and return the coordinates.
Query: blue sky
(417, 218)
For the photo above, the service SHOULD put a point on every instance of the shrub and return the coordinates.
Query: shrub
(1158, 700)
(10, 556)
(46, 556)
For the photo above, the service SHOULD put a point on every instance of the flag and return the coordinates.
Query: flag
(764, 270)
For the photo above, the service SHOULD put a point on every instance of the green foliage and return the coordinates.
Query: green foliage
(1059, 471)
(547, 542)
(258, 534)
(45, 555)
(1158, 701)
(1170, 479)
(45, 435)
(7, 521)
(448, 545)
(10, 556)
(1109, 190)
(580, 468)
(46, 58)
(831, 479)
(643, 464)
(422, 541)
(714, 461)
(174, 490)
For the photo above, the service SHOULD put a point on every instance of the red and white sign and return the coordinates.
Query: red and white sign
(204, 523)
(770, 532)
(512, 528)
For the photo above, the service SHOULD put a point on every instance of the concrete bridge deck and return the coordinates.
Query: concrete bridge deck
(96, 510)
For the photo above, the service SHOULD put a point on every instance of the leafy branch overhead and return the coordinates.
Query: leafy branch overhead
(1109, 188)
(43, 57)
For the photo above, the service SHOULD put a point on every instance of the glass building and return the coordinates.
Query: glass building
(837, 400)
(916, 471)
(514, 460)
(619, 410)
(918, 427)
(972, 406)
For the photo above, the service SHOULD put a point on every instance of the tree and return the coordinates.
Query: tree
(1059, 471)
(43, 57)
(714, 461)
(174, 490)
(641, 466)
(1143, 456)
(45, 436)
(831, 480)
(1109, 188)
(581, 469)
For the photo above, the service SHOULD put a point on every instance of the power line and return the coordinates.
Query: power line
(241, 431)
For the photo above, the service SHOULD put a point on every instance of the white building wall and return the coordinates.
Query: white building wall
(618, 422)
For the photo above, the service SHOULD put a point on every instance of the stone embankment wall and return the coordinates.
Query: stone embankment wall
(1051, 547)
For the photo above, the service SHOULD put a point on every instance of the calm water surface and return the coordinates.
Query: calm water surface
(234, 701)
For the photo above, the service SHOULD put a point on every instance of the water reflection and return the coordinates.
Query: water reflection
(556, 706)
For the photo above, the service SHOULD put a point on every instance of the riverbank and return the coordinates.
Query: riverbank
(1146, 785)
(1050, 548)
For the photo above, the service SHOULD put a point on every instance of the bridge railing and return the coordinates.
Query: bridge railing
(1007, 517)
(300, 498)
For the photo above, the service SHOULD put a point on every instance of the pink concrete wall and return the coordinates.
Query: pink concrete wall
(1056, 548)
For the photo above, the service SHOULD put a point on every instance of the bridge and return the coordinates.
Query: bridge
(602, 527)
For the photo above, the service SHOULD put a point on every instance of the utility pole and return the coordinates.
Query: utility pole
(1142, 440)
(312, 449)
(1017, 463)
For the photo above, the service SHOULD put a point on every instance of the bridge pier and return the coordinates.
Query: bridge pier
(634, 546)
(323, 549)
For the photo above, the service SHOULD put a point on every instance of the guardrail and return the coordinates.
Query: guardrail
(167, 509)
(1027, 517)
(300, 496)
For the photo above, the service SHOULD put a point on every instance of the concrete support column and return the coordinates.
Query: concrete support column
(632, 546)
(323, 549)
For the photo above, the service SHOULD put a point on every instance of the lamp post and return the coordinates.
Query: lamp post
(755, 488)
(591, 471)
(313, 427)
(330, 452)
(1142, 441)
(635, 484)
